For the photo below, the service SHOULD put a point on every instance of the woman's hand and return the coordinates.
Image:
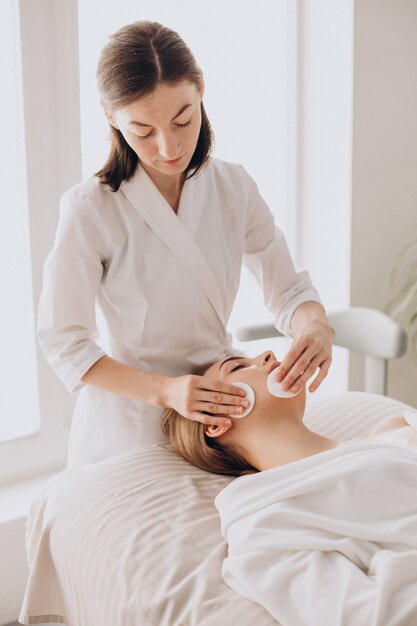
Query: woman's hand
(311, 348)
(193, 396)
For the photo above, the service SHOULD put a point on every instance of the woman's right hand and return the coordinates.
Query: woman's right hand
(195, 397)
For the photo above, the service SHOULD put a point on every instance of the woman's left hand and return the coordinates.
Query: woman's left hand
(311, 348)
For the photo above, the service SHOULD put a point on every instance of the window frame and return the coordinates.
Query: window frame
(49, 40)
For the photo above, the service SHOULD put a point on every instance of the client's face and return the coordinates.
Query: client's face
(254, 372)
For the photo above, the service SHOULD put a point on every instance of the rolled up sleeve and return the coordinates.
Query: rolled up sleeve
(268, 259)
(72, 272)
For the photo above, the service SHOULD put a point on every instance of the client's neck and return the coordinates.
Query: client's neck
(282, 440)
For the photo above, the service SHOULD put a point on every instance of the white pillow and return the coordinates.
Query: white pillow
(350, 414)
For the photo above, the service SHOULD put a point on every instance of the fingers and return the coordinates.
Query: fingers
(305, 355)
(294, 382)
(221, 409)
(222, 399)
(308, 372)
(302, 363)
(300, 372)
(324, 369)
(221, 386)
(214, 400)
(210, 419)
(298, 348)
(208, 401)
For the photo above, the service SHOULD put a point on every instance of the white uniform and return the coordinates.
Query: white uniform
(165, 283)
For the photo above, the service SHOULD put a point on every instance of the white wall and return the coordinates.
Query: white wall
(357, 148)
(384, 179)
(324, 158)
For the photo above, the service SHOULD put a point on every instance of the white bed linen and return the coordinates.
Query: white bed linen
(328, 540)
(135, 539)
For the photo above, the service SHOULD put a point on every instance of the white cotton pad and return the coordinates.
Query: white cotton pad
(250, 397)
(411, 418)
(275, 388)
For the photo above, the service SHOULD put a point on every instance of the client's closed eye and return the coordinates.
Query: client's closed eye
(236, 368)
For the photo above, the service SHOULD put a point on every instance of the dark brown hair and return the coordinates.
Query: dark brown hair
(190, 441)
(138, 58)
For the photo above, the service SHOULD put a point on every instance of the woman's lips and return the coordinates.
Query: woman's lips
(174, 161)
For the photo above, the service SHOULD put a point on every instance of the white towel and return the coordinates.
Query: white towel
(330, 540)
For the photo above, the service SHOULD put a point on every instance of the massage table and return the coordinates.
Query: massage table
(135, 539)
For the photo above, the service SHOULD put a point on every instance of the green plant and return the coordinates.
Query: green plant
(402, 306)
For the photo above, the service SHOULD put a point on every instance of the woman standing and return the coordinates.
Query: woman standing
(156, 239)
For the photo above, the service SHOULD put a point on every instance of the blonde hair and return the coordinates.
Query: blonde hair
(190, 441)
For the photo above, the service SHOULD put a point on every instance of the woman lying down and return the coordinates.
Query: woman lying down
(320, 532)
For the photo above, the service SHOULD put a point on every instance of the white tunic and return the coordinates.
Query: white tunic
(165, 284)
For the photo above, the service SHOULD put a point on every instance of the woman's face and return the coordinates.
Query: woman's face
(162, 127)
(255, 371)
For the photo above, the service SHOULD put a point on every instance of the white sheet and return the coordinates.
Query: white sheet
(329, 540)
(136, 539)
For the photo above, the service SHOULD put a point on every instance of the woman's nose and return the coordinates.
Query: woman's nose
(168, 149)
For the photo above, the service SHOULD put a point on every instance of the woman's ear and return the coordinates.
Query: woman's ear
(215, 430)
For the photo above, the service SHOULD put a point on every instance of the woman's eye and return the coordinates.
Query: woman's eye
(149, 135)
(144, 137)
(237, 367)
(186, 124)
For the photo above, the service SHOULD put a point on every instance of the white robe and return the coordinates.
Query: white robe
(165, 284)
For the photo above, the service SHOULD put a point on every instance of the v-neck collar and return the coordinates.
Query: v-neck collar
(176, 230)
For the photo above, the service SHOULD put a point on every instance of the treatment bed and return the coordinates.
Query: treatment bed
(136, 540)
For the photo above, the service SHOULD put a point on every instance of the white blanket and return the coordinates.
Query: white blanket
(330, 540)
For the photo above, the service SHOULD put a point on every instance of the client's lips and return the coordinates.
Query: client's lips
(273, 365)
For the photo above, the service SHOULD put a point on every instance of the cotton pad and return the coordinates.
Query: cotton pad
(411, 418)
(250, 397)
(275, 388)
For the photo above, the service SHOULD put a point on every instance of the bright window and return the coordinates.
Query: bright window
(19, 402)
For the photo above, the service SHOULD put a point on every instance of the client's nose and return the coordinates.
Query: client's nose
(266, 357)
